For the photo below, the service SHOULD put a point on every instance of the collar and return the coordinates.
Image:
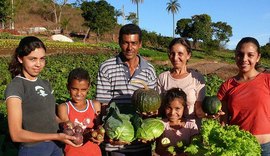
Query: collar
(142, 63)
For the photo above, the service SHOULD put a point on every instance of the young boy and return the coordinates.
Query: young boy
(79, 109)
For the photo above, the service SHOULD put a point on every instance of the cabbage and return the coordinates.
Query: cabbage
(118, 126)
(150, 129)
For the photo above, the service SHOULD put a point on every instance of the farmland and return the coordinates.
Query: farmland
(63, 57)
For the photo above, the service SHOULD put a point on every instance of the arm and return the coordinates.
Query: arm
(63, 112)
(198, 109)
(18, 134)
(224, 119)
(98, 109)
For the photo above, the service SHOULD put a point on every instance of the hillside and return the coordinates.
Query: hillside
(32, 13)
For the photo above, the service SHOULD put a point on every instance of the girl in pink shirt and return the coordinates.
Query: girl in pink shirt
(177, 128)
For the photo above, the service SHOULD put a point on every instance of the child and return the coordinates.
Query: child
(30, 103)
(176, 127)
(78, 109)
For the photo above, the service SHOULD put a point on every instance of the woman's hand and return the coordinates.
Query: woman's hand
(215, 116)
(67, 139)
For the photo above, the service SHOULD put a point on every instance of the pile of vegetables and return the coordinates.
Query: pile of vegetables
(125, 128)
(223, 141)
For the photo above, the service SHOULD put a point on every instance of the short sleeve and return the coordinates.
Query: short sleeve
(14, 89)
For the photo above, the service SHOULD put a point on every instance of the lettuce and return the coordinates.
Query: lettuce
(223, 140)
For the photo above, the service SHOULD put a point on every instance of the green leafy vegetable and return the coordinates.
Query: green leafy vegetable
(118, 126)
(150, 129)
(223, 141)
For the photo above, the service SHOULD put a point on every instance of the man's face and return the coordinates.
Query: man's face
(130, 46)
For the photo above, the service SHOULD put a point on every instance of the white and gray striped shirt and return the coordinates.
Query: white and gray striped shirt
(114, 80)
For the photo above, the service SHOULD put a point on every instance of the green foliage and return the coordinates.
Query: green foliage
(265, 51)
(201, 28)
(59, 66)
(229, 140)
(213, 83)
(99, 16)
(222, 31)
(5, 10)
(5, 77)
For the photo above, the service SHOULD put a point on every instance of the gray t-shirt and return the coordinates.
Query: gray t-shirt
(38, 104)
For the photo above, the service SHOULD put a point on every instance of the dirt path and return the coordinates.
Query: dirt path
(223, 70)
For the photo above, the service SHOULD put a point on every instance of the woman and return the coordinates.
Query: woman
(246, 96)
(190, 81)
(30, 103)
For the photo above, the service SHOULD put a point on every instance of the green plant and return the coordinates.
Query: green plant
(228, 140)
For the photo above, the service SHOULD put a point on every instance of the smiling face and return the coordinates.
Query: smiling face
(33, 63)
(78, 90)
(246, 57)
(179, 56)
(174, 111)
(130, 45)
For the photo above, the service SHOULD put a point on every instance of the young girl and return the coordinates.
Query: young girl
(30, 104)
(79, 109)
(176, 127)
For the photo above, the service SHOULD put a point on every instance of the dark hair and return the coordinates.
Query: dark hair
(181, 41)
(25, 47)
(129, 29)
(248, 40)
(78, 74)
(173, 93)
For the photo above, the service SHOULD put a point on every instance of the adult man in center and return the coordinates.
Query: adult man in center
(115, 76)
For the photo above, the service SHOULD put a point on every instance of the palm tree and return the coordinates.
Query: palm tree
(137, 3)
(173, 7)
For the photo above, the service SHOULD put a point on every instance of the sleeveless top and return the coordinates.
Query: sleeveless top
(89, 148)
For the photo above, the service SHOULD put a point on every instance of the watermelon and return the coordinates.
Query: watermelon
(211, 105)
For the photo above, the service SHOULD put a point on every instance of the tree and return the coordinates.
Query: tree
(222, 32)
(198, 28)
(5, 12)
(201, 28)
(183, 27)
(137, 3)
(132, 18)
(57, 8)
(173, 7)
(118, 13)
(99, 16)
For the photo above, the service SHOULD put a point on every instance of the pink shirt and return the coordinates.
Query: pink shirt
(175, 135)
(248, 103)
(193, 85)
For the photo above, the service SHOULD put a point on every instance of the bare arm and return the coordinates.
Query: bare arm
(198, 109)
(98, 109)
(18, 134)
(224, 119)
(63, 112)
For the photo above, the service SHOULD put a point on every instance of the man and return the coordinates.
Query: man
(115, 76)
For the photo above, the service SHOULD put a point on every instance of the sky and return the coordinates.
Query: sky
(246, 17)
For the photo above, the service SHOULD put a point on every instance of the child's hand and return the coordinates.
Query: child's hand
(148, 114)
(97, 140)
